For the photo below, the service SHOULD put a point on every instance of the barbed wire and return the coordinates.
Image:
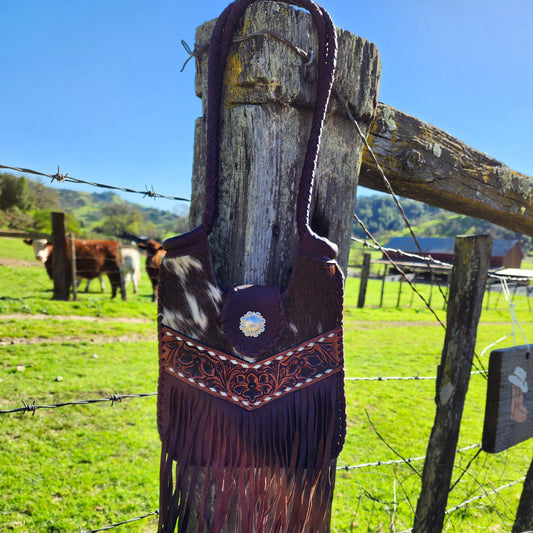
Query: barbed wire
(32, 407)
(347, 467)
(485, 495)
(69, 179)
(476, 498)
(112, 526)
(404, 378)
(411, 255)
(116, 397)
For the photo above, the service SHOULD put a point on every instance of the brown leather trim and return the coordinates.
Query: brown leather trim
(250, 385)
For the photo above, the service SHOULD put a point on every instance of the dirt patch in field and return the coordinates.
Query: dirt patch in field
(74, 339)
(370, 324)
(122, 319)
(8, 262)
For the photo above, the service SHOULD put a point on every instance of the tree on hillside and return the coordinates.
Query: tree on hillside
(379, 214)
(120, 218)
(14, 193)
(44, 197)
(42, 222)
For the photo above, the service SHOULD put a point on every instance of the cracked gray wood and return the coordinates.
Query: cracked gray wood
(427, 164)
(269, 95)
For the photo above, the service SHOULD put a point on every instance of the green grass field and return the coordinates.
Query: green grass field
(88, 466)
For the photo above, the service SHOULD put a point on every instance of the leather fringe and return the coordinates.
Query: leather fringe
(225, 469)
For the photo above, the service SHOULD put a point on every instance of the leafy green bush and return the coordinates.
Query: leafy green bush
(14, 193)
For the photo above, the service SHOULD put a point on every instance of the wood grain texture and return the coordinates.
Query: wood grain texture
(467, 286)
(425, 163)
(269, 95)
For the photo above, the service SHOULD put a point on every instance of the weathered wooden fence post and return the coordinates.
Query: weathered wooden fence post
(383, 281)
(267, 106)
(467, 286)
(73, 267)
(61, 265)
(399, 292)
(265, 120)
(365, 272)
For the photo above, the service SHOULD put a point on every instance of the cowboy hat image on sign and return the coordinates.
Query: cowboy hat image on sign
(509, 407)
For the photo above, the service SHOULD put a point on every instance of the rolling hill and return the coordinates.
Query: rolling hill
(106, 214)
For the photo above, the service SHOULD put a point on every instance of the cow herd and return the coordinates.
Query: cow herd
(96, 258)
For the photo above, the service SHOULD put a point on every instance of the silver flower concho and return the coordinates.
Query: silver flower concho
(252, 324)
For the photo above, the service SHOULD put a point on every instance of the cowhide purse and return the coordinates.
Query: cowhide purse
(251, 409)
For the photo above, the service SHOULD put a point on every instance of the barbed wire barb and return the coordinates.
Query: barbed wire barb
(192, 53)
(113, 398)
(347, 467)
(59, 177)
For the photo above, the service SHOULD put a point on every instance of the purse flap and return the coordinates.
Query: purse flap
(253, 318)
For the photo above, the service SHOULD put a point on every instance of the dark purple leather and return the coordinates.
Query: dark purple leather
(266, 316)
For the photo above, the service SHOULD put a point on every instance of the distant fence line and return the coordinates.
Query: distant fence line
(428, 257)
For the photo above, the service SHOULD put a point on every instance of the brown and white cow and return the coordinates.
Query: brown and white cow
(94, 258)
(154, 254)
(42, 249)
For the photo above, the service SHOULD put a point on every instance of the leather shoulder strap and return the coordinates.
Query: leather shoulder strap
(221, 39)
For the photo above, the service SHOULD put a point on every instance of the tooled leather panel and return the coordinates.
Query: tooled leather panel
(250, 385)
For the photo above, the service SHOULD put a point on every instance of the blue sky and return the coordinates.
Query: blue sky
(95, 86)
